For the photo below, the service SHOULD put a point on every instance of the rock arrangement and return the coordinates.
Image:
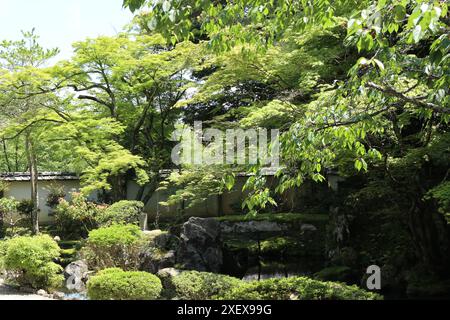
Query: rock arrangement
(160, 251)
(202, 243)
(200, 246)
(76, 275)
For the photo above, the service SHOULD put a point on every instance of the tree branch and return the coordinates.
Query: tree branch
(415, 101)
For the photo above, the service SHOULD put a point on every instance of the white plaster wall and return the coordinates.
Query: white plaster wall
(21, 190)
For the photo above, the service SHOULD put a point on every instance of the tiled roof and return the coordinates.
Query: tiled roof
(43, 176)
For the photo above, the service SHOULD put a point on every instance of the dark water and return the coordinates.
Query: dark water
(274, 269)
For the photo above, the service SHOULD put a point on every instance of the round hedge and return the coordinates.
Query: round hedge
(117, 246)
(195, 285)
(29, 261)
(116, 284)
(296, 288)
(123, 212)
(114, 235)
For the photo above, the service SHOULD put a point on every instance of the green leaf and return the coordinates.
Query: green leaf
(399, 12)
(417, 33)
(229, 181)
(358, 164)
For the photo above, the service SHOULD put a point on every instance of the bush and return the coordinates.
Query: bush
(114, 246)
(8, 214)
(124, 212)
(116, 284)
(76, 218)
(194, 285)
(296, 288)
(29, 261)
(13, 220)
(56, 193)
(334, 273)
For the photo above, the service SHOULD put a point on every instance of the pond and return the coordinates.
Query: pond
(275, 269)
(75, 296)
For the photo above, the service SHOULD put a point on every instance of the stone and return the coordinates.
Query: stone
(166, 276)
(162, 240)
(27, 290)
(150, 234)
(308, 227)
(58, 295)
(42, 293)
(153, 259)
(294, 296)
(200, 245)
(166, 241)
(57, 239)
(160, 251)
(251, 227)
(76, 274)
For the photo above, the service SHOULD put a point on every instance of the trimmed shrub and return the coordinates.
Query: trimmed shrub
(3, 250)
(76, 218)
(116, 284)
(194, 285)
(29, 261)
(56, 192)
(124, 212)
(114, 246)
(14, 221)
(296, 288)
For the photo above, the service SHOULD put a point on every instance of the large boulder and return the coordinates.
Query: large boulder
(76, 275)
(153, 260)
(160, 251)
(200, 246)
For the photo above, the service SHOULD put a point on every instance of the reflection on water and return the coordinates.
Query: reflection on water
(273, 269)
(75, 296)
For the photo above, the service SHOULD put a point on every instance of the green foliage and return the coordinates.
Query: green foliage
(55, 194)
(8, 206)
(194, 285)
(279, 217)
(14, 218)
(114, 246)
(29, 261)
(75, 218)
(277, 245)
(297, 288)
(196, 184)
(231, 23)
(116, 284)
(441, 193)
(335, 273)
(3, 186)
(359, 87)
(122, 212)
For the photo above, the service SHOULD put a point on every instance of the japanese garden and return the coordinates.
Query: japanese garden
(230, 150)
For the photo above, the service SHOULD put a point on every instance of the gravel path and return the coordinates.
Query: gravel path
(8, 293)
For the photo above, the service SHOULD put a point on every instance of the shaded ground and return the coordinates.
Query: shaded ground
(8, 293)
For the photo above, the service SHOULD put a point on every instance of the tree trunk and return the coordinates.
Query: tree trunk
(32, 165)
(220, 212)
(119, 183)
(430, 236)
(5, 153)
